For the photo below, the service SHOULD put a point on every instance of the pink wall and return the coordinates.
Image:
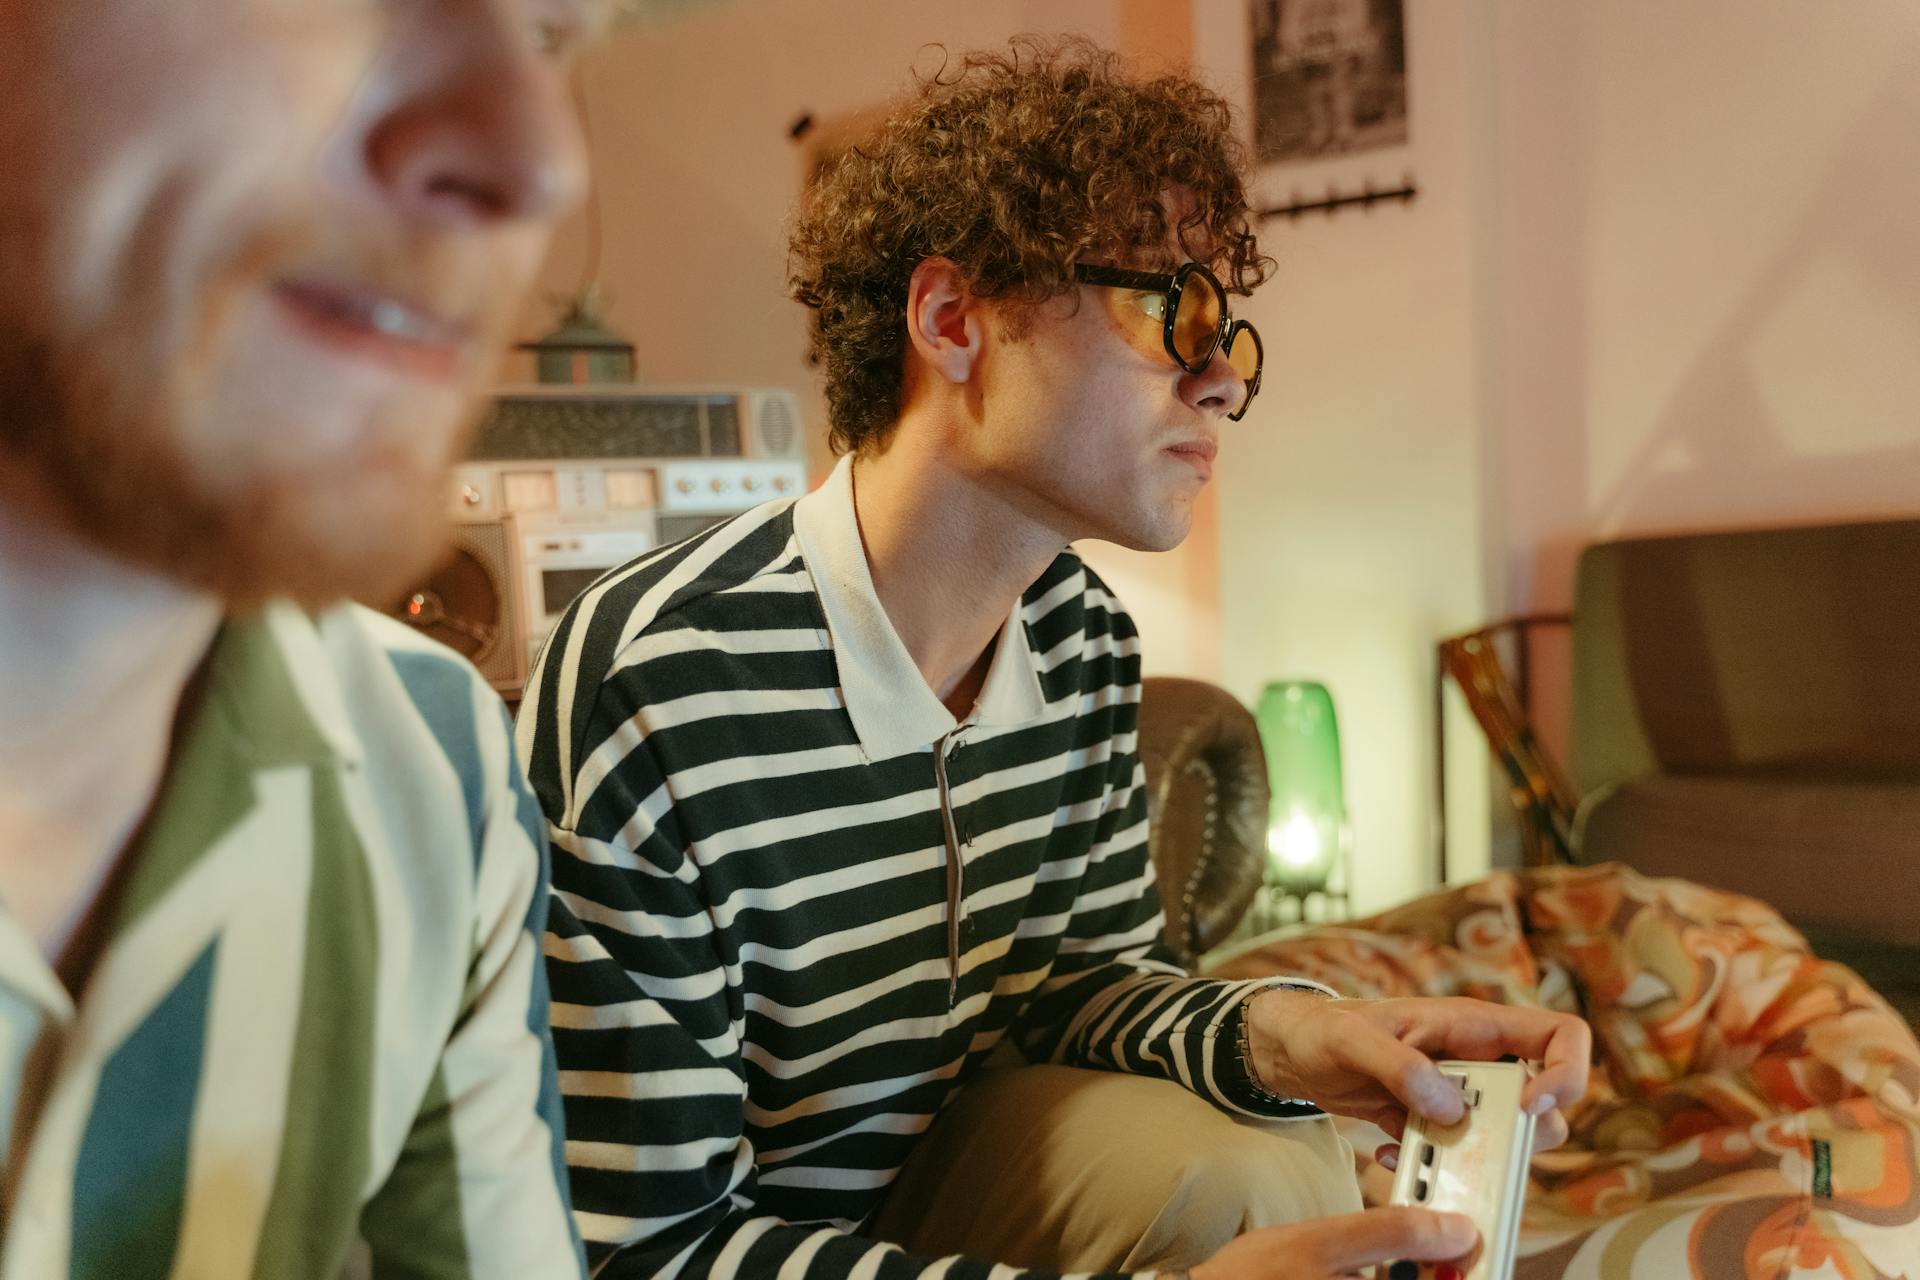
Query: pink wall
(1351, 494)
(1663, 273)
(1707, 279)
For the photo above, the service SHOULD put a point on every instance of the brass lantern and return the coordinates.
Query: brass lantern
(582, 349)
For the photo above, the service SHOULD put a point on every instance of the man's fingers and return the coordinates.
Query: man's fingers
(1549, 1132)
(1376, 1184)
(1383, 1235)
(1565, 1063)
(1560, 1042)
(1463, 1024)
(1408, 1074)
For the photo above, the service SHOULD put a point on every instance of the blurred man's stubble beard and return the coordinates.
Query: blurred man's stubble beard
(78, 450)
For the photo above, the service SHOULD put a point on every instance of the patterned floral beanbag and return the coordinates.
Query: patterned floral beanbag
(1753, 1112)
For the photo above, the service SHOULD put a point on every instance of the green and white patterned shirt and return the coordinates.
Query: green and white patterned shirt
(316, 1038)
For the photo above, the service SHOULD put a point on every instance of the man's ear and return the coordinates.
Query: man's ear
(945, 321)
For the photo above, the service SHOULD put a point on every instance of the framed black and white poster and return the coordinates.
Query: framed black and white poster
(1329, 78)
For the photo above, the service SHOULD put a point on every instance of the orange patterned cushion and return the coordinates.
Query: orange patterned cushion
(1754, 1111)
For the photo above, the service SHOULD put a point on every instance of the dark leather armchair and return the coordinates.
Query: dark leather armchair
(1206, 808)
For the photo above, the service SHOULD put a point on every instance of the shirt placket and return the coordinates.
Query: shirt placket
(956, 838)
(40, 1018)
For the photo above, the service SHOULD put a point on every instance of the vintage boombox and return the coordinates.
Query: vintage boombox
(566, 482)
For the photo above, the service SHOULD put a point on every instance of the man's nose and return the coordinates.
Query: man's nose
(1216, 389)
(478, 127)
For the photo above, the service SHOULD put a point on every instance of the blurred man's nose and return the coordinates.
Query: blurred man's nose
(477, 128)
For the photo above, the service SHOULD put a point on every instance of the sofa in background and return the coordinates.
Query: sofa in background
(1745, 714)
(1754, 1111)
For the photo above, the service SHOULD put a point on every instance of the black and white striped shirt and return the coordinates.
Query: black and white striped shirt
(796, 902)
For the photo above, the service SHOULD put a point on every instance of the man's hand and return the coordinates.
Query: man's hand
(1374, 1059)
(1329, 1247)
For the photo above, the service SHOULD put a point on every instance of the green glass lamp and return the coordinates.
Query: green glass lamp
(1307, 831)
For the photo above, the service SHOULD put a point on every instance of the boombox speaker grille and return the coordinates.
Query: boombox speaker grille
(466, 603)
(778, 426)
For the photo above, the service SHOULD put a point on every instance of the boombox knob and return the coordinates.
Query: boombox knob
(469, 625)
(423, 609)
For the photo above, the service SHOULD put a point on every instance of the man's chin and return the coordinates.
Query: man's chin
(1152, 531)
(374, 562)
(242, 498)
(293, 548)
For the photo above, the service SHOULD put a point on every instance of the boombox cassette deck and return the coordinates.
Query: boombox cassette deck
(564, 483)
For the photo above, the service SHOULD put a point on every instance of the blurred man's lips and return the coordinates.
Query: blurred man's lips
(1197, 453)
(377, 327)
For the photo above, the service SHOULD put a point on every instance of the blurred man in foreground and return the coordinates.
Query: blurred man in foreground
(270, 963)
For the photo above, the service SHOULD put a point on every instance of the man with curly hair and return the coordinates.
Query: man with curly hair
(845, 792)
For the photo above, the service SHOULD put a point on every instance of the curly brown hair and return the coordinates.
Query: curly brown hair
(1013, 165)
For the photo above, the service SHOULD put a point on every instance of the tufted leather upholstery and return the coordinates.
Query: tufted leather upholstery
(1206, 807)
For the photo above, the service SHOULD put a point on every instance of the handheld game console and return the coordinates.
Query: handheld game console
(1477, 1166)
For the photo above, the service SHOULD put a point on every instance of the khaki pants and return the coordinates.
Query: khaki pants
(1074, 1170)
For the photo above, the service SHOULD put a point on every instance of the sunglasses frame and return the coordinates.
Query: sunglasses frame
(1170, 285)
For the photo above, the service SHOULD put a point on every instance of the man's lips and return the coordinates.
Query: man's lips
(377, 326)
(1198, 453)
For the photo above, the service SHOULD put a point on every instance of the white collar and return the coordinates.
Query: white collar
(892, 708)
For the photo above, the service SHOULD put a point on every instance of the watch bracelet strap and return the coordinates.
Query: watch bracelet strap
(1244, 1036)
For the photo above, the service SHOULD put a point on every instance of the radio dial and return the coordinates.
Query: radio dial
(717, 484)
(683, 484)
(751, 484)
(782, 484)
(470, 495)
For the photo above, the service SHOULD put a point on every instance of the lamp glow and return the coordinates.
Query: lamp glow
(1307, 820)
(1295, 842)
